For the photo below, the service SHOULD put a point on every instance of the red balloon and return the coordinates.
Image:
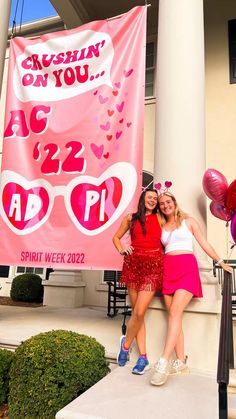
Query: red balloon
(231, 197)
(233, 228)
(215, 185)
(220, 211)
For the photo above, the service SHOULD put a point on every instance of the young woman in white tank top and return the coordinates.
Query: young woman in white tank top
(181, 280)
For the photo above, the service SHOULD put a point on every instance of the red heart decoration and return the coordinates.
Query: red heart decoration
(231, 197)
(92, 216)
(15, 199)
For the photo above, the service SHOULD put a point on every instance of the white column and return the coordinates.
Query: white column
(5, 13)
(180, 125)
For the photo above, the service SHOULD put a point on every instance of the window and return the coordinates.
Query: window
(147, 179)
(29, 270)
(4, 271)
(232, 50)
(111, 276)
(150, 68)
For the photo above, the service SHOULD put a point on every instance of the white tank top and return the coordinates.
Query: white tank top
(179, 239)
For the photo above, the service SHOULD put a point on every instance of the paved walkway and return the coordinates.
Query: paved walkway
(20, 323)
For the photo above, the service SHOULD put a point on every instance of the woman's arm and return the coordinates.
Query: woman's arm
(124, 227)
(210, 251)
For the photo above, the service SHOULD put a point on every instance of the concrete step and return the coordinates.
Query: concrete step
(122, 394)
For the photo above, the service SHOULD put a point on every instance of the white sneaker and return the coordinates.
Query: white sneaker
(179, 367)
(160, 372)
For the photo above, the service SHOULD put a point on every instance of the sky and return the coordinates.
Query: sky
(32, 10)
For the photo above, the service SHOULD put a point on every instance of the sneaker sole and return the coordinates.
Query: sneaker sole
(158, 384)
(181, 372)
(141, 373)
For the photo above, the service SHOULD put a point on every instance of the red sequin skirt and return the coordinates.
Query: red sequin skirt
(143, 270)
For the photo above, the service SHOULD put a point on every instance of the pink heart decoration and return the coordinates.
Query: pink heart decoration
(128, 73)
(121, 120)
(129, 124)
(109, 137)
(115, 92)
(24, 194)
(120, 107)
(113, 193)
(220, 211)
(110, 112)
(117, 85)
(102, 99)
(97, 150)
(215, 185)
(118, 134)
(106, 155)
(168, 184)
(157, 186)
(95, 92)
(106, 126)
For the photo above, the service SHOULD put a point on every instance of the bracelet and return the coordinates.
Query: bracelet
(220, 260)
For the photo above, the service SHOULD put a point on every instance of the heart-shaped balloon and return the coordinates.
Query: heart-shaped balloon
(233, 228)
(231, 197)
(220, 211)
(215, 185)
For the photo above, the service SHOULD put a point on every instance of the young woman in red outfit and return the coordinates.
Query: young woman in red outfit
(142, 272)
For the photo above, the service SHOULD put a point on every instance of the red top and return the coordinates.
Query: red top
(151, 240)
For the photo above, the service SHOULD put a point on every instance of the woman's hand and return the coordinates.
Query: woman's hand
(226, 267)
(127, 251)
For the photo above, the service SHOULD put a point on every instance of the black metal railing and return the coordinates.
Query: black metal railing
(226, 346)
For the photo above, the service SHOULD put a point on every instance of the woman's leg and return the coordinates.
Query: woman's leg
(141, 335)
(136, 327)
(180, 300)
(179, 347)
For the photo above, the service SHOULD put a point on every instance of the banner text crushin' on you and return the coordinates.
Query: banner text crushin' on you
(73, 143)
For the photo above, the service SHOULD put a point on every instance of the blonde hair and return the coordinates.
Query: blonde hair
(179, 214)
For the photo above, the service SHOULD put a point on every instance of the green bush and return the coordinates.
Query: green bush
(50, 370)
(27, 287)
(6, 358)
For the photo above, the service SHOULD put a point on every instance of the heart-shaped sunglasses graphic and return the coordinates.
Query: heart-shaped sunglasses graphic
(93, 204)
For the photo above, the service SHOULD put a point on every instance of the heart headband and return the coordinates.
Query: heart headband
(159, 188)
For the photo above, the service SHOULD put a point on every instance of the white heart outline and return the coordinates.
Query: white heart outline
(9, 176)
(126, 173)
(121, 170)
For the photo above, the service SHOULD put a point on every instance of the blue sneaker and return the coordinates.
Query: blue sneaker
(141, 366)
(122, 356)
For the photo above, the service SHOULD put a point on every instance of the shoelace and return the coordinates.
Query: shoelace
(141, 362)
(161, 367)
(177, 363)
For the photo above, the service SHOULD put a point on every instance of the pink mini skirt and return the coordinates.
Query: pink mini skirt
(181, 272)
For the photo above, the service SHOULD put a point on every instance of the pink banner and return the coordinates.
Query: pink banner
(73, 141)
